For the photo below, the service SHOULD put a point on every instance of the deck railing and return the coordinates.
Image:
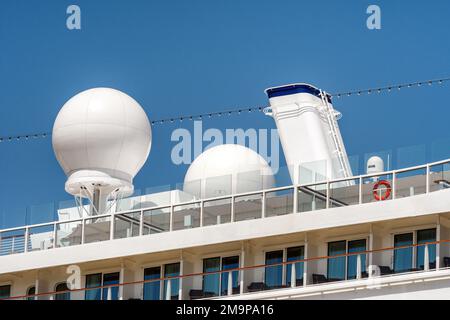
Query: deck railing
(228, 209)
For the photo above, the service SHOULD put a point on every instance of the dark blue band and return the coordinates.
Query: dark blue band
(293, 89)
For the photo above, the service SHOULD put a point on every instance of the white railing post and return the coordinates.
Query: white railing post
(438, 245)
(180, 280)
(305, 263)
(83, 227)
(109, 296)
(230, 283)
(55, 228)
(394, 185)
(360, 190)
(358, 267)
(27, 238)
(426, 259)
(201, 212)
(241, 272)
(295, 199)
(169, 290)
(263, 209)
(111, 230)
(171, 218)
(233, 199)
(370, 247)
(328, 195)
(427, 180)
(141, 223)
(293, 276)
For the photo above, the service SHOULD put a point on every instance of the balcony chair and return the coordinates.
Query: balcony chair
(446, 262)
(256, 286)
(195, 294)
(200, 294)
(319, 278)
(385, 270)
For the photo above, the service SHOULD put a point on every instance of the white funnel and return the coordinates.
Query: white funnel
(309, 133)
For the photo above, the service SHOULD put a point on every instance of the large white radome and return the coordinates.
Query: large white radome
(101, 137)
(227, 169)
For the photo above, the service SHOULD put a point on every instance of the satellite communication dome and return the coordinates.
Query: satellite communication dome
(227, 169)
(101, 138)
(375, 165)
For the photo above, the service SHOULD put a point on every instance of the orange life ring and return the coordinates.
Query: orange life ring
(376, 187)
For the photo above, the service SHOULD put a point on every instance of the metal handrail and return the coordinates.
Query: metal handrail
(232, 197)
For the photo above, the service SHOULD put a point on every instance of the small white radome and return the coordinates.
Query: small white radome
(227, 169)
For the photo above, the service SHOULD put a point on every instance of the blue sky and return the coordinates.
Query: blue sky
(182, 57)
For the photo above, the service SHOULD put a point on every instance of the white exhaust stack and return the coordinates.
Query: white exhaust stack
(309, 133)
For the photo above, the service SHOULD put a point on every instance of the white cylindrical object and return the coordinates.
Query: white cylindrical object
(308, 131)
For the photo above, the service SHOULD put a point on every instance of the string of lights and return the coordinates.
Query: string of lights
(390, 88)
(239, 111)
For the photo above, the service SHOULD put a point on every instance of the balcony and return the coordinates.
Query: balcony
(292, 273)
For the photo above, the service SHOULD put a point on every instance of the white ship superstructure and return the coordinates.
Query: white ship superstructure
(231, 232)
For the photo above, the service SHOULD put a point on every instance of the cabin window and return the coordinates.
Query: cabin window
(31, 292)
(97, 280)
(5, 292)
(216, 283)
(425, 236)
(274, 274)
(403, 256)
(62, 287)
(152, 290)
(172, 270)
(211, 284)
(294, 254)
(352, 261)
(93, 281)
(230, 263)
(336, 266)
(345, 267)
(280, 274)
(112, 292)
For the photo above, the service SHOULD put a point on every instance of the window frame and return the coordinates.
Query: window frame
(102, 273)
(414, 230)
(27, 292)
(161, 265)
(56, 290)
(364, 237)
(284, 248)
(161, 282)
(163, 287)
(221, 257)
(7, 284)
